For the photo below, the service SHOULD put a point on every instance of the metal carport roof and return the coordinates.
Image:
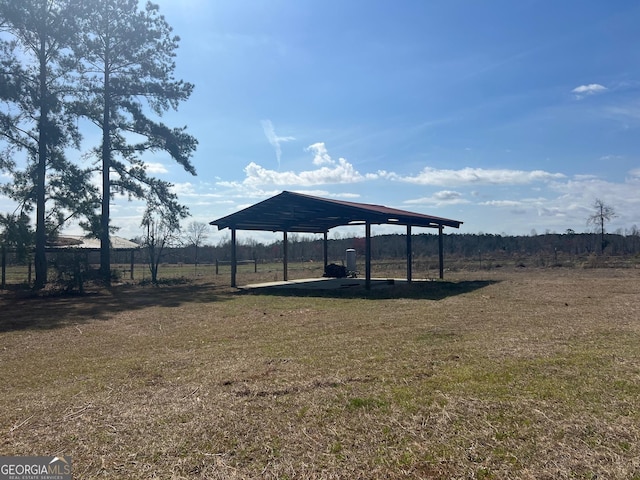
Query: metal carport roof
(296, 212)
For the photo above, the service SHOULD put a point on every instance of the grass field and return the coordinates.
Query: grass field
(509, 373)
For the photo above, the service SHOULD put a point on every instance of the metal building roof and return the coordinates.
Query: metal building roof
(296, 212)
(85, 243)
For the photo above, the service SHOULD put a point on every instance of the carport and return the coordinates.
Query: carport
(300, 213)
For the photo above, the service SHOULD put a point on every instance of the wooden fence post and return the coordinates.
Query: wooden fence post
(4, 267)
(132, 264)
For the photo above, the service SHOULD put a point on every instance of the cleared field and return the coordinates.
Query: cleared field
(496, 374)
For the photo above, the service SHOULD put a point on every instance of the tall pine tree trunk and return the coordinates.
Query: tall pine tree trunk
(105, 244)
(41, 168)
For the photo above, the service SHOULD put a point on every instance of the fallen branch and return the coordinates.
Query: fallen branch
(15, 427)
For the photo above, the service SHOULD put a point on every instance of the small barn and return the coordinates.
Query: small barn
(77, 247)
(87, 246)
(300, 213)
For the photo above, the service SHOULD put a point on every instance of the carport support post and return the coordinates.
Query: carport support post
(368, 256)
(409, 253)
(234, 262)
(441, 252)
(285, 257)
(326, 250)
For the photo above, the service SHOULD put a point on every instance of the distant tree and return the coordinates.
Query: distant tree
(603, 213)
(634, 234)
(161, 231)
(17, 234)
(127, 71)
(196, 234)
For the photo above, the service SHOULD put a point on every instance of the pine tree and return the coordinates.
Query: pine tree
(35, 65)
(127, 70)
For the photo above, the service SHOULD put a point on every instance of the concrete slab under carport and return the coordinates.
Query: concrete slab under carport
(328, 284)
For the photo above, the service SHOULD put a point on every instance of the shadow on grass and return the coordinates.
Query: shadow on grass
(436, 290)
(22, 310)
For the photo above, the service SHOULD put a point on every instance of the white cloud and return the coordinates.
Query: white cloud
(326, 194)
(591, 89)
(502, 203)
(477, 176)
(155, 167)
(629, 111)
(330, 172)
(274, 140)
(188, 189)
(584, 177)
(338, 172)
(551, 212)
(321, 156)
(576, 197)
(184, 189)
(444, 197)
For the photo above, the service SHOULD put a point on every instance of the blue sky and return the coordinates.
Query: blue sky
(510, 116)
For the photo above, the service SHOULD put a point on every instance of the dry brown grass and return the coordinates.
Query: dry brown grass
(502, 374)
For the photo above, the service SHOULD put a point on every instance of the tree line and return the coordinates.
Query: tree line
(303, 248)
(103, 64)
(480, 250)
